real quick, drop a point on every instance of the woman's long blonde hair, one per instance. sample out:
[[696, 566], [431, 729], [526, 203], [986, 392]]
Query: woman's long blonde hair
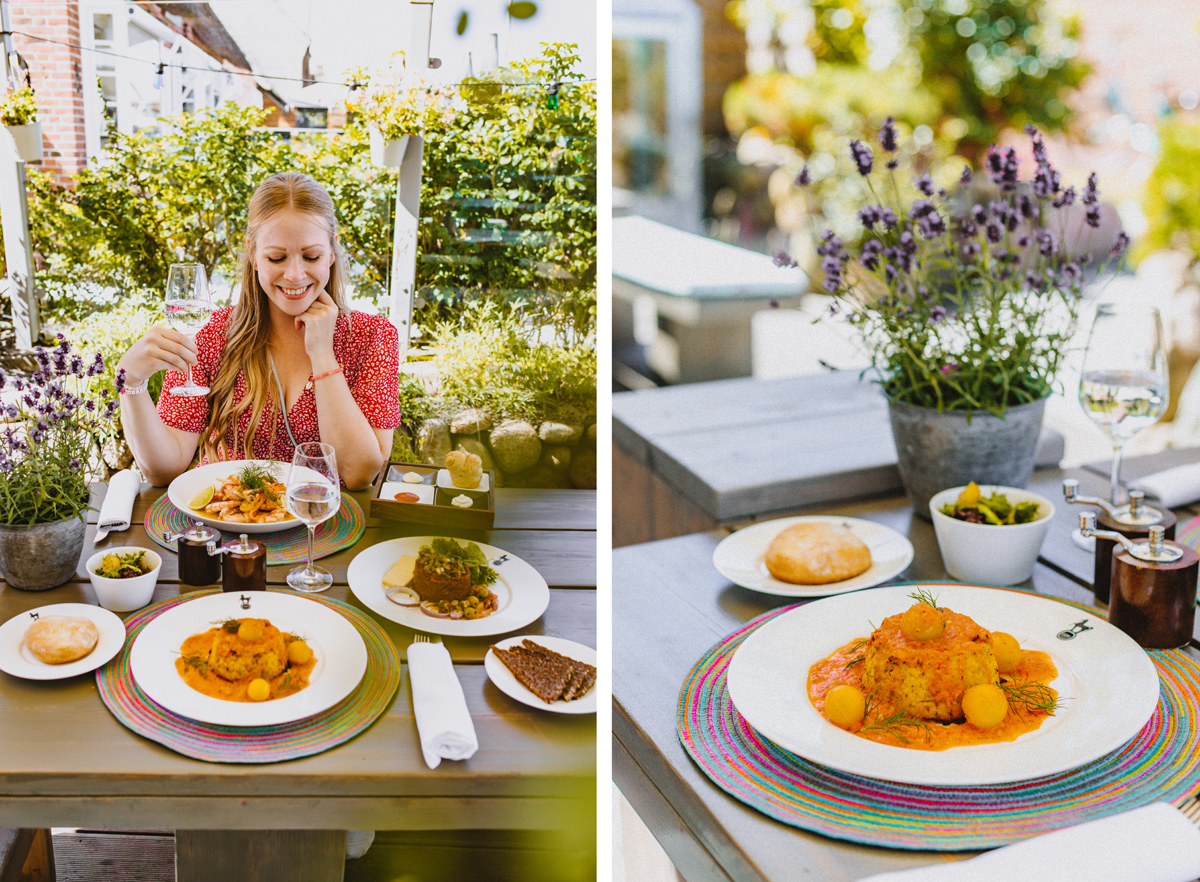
[[248, 331]]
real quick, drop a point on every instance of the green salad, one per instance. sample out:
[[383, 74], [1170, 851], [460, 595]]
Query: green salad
[[976, 508], [123, 566]]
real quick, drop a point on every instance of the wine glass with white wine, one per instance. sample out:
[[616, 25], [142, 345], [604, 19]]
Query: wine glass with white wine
[[188, 305], [1123, 387], [313, 495]]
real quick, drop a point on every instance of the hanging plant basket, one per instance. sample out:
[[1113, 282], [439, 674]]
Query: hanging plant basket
[[387, 152], [27, 141]]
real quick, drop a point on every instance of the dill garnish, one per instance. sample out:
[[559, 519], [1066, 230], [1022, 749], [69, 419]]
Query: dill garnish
[[923, 596], [255, 476], [895, 723], [198, 662], [1035, 697], [230, 625], [858, 659]]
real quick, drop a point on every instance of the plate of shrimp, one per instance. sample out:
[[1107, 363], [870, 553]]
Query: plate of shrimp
[[247, 496]]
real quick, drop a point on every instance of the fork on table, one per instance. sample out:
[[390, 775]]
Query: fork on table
[[1191, 809], [424, 638]]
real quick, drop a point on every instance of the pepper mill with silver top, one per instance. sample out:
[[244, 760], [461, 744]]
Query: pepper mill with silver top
[[245, 566], [199, 557], [1132, 521], [1153, 587]]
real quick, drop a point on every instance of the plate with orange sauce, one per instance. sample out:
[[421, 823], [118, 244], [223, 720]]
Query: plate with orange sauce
[[1107, 686]]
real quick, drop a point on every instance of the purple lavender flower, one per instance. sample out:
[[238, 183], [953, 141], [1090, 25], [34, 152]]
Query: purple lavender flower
[[1026, 206], [119, 380], [924, 183], [994, 233], [891, 164], [966, 177], [1120, 245], [803, 179], [1002, 165], [979, 214], [1072, 273], [1091, 193], [97, 365], [887, 135], [937, 314], [1045, 241], [929, 222], [781, 259], [863, 157], [870, 254], [1092, 216]]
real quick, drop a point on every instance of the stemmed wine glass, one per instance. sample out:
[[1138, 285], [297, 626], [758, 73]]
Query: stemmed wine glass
[[1123, 387], [313, 495], [188, 305]]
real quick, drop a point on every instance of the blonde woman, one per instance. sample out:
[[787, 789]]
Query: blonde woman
[[289, 340]]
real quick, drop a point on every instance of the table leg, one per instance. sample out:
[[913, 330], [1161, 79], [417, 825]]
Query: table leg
[[260, 855]]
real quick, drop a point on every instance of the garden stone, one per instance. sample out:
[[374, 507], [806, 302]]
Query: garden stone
[[471, 421], [515, 445], [557, 456], [541, 476], [559, 433], [434, 439], [583, 470], [477, 447]]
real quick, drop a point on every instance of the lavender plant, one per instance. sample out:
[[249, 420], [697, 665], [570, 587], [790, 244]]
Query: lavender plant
[[967, 309], [49, 437]]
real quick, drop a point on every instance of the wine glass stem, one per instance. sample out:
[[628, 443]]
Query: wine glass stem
[[312, 529], [188, 382], [1116, 474]]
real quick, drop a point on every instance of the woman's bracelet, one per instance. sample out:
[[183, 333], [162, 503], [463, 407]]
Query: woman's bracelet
[[135, 388], [336, 370]]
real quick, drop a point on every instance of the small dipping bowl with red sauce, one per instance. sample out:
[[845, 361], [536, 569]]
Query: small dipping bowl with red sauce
[[397, 491]]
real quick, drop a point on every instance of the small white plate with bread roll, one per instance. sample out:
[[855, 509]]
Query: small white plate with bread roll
[[812, 555], [59, 641]]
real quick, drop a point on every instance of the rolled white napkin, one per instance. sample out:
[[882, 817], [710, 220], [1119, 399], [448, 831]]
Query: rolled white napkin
[[1172, 487], [443, 723], [1154, 843], [117, 507]]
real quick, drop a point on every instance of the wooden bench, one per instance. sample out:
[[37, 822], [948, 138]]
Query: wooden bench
[[26, 855], [695, 298]]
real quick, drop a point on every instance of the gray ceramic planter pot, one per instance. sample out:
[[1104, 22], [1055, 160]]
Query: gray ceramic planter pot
[[941, 450], [42, 556]]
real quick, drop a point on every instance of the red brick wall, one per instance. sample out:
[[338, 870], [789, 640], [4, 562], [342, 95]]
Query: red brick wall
[[56, 72]]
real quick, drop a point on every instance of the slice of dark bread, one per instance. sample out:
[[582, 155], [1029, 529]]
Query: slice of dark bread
[[544, 677], [584, 678]]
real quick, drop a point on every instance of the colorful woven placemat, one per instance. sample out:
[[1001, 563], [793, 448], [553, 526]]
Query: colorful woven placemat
[[1188, 533], [287, 547], [1160, 763], [258, 744]]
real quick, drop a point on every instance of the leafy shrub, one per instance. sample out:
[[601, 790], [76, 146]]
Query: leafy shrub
[[1172, 192]]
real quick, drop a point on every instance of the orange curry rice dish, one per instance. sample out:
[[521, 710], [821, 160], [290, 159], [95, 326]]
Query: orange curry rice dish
[[930, 679], [245, 660]]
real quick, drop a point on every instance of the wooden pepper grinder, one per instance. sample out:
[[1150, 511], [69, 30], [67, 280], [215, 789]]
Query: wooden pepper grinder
[[245, 566], [1153, 587], [1132, 521], [199, 557]]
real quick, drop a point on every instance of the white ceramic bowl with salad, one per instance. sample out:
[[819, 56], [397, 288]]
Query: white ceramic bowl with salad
[[992, 553], [129, 591]]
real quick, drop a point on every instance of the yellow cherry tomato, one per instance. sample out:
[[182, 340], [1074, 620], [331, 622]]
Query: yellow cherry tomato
[[922, 622], [970, 495], [845, 706], [250, 631], [299, 652], [1007, 651], [985, 706], [258, 690]]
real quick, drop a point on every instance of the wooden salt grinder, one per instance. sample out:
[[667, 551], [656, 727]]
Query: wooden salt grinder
[[1153, 587], [1132, 521]]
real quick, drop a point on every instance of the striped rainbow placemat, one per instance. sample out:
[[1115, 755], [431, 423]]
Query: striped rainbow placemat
[[1160, 764], [259, 744], [286, 547]]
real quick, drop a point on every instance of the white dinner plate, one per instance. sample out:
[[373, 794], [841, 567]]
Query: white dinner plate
[[739, 556], [499, 674], [184, 489], [523, 593], [16, 659], [339, 648], [1107, 686]]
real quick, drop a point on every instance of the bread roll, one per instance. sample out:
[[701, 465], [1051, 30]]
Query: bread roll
[[816, 553], [57, 640], [466, 469]]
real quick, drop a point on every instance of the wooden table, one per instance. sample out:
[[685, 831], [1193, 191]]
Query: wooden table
[[708, 834], [706, 455], [66, 761]]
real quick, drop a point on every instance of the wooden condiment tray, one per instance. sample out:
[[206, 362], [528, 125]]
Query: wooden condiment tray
[[439, 512]]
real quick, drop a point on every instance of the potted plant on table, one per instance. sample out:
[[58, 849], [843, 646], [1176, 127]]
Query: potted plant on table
[[45, 447], [398, 103], [18, 114], [967, 309]]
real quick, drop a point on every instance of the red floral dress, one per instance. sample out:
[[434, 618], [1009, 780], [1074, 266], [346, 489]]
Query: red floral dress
[[367, 348]]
